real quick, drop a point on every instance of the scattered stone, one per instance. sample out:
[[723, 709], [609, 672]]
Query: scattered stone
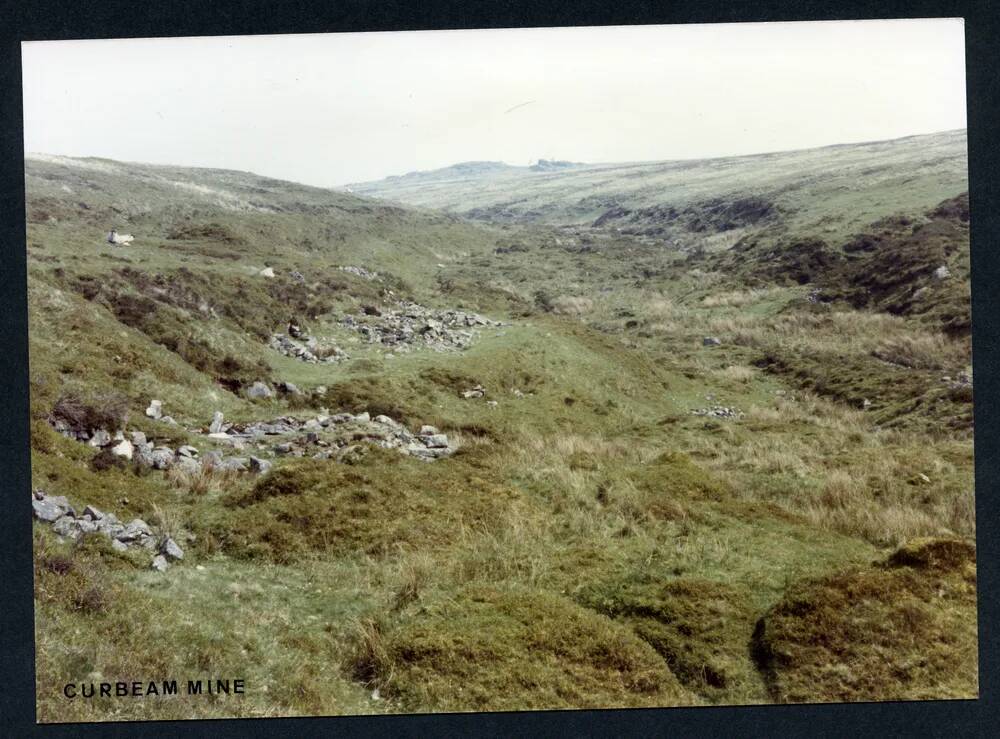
[[47, 509], [360, 272], [187, 451], [155, 409], [95, 514], [476, 392], [428, 430], [66, 526], [297, 276], [138, 439], [289, 388], [187, 464], [942, 273], [159, 563], [436, 441], [718, 411], [162, 458]]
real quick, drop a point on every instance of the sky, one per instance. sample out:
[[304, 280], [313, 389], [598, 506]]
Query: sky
[[331, 109]]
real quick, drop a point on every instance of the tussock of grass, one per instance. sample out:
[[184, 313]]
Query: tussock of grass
[[492, 649], [903, 630]]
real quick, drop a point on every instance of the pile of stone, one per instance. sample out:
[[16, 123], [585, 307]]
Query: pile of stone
[[307, 349], [334, 436], [57, 510], [411, 325], [360, 272], [718, 411]]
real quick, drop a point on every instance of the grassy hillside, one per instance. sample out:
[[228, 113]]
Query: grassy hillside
[[831, 192], [626, 513]]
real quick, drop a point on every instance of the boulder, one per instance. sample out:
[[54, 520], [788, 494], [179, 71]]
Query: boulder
[[162, 458], [95, 514], [289, 388], [363, 417], [266, 272], [234, 464], [259, 390], [435, 441], [47, 510], [260, 466], [216, 426], [138, 438], [99, 438], [123, 449], [187, 451], [119, 546], [171, 550], [428, 430], [169, 420], [159, 563], [187, 464], [134, 529], [155, 409], [66, 526]]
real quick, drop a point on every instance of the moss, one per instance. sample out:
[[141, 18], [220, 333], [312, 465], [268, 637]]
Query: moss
[[487, 649], [901, 630]]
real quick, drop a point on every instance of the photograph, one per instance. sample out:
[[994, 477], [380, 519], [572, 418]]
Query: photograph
[[500, 370]]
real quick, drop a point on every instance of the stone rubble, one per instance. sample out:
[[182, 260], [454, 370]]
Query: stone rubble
[[300, 345], [411, 325], [360, 272], [57, 511], [718, 411]]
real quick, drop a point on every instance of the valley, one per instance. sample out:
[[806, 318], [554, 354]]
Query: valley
[[501, 438]]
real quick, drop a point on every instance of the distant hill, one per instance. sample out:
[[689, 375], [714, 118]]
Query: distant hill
[[832, 191]]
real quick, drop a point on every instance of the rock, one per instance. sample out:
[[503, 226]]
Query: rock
[[159, 563], [476, 392], [363, 417], [428, 430], [155, 409], [211, 459], [119, 546], [66, 526], [47, 510], [187, 451], [266, 272], [95, 515], [138, 438], [284, 448], [235, 464], [134, 529], [100, 438], [313, 424], [187, 464], [492, 403], [169, 420], [710, 341], [86, 526], [171, 550], [320, 390], [162, 458], [123, 449], [216, 426], [942, 273], [260, 466], [297, 276], [289, 388], [259, 390], [433, 441]]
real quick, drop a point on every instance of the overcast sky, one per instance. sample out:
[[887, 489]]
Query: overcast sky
[[328, 109]]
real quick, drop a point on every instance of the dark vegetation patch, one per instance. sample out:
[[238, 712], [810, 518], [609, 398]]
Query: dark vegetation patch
[[711, 216], [384, 502], [511, 650], [107, 411], [205, 232], [701, 628], [898, 397], [901, 630]]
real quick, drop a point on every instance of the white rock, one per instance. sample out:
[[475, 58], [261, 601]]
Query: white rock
[[155, 409], [123, 448]]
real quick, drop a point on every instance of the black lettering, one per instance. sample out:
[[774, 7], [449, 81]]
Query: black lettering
[[170, 687], [238, 687], [83, 690], [222, 686], [194, 688], [151, 689], [121, 689], [69, 690], [136, 688], [105, 690]]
